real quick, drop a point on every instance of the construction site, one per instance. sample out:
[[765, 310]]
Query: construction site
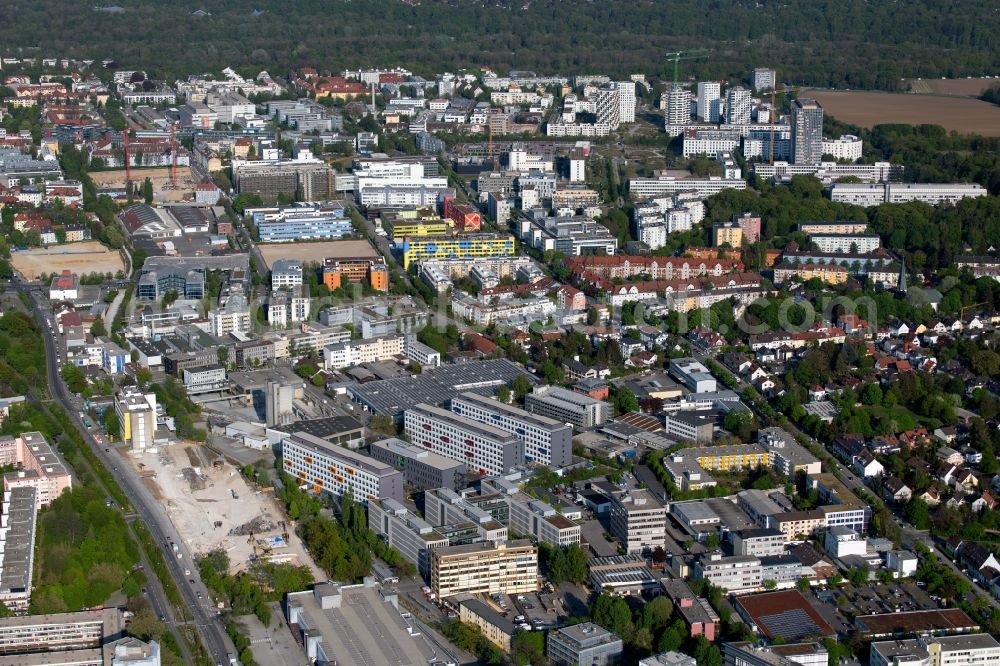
[[213, 507], [173, 181]]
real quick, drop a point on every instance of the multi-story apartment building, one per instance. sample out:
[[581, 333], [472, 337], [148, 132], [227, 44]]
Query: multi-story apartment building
[[412, 536], [638, 521], [834, 227], [567, 406], [876, 194], [546, 440], [488, 567], [709, 142], [336, 470], [807, 131], [421, 468], [762, 79], [65, 633], [852, 243], [484, 448], [288, 305], [17, 547], [585, 643], [678, 106], [847, 147], [419, 222], [727, 233], [424, 248], [709, 95], [38, 466], [339, 271], [758, 542], [535, 518], [354, 352], [662, 185], [233, 317], [798, 525], [137, 416], [738, 106], [841, 506], [828, 273]]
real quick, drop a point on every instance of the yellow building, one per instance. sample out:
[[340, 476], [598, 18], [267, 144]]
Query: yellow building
[[468, 246], [421, 222], [488, 567], [495, 627], [828, 273], [727, 233], [731, 458]]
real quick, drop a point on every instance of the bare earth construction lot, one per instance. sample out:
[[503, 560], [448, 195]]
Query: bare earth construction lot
[[80, 258], [315, 252], [197, 489], [867, 109], [159, 176], [961, 87]]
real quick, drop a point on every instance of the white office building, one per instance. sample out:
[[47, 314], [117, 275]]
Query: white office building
[[846, 243], [483, 448], [546, 441], [327, 467], [567, 406], [678, 111], [638, 521], [876, 194], [763, 78], [959, 650], [626, 101]]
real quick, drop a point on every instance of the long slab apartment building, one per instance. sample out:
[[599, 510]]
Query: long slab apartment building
[[326, 467]]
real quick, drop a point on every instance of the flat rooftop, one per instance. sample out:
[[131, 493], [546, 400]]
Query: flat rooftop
[[363, 627], [324, 427], [487, 402], [786, 614], [471, 425], [323, 447], [407, 450], [482, 546], [934, 620], [392, 396]]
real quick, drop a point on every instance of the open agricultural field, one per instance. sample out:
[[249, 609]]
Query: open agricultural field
[[867, 109], [160, 177], [315, 252], [962, 87], [80, 258]]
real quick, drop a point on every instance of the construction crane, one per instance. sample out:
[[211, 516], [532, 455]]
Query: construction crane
[[128, 161], [173, 156], [677, 56]]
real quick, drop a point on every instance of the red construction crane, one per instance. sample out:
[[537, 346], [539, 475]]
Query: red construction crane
[[173, 157], [128, 161]]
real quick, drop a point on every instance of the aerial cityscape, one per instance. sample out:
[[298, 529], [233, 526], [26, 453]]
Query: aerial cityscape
[[481, 340]]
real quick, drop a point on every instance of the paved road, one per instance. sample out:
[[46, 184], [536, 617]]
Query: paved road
[[147, 508]]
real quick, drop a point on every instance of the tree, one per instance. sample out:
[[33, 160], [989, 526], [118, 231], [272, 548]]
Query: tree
[[917, 513], [625, 401], [871, 394], [503, 394], [613, 614], [112, 424], [97, 329], [147, 191], [521, 386]]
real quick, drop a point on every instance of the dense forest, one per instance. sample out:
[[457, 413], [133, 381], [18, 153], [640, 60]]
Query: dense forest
[[839, 43]]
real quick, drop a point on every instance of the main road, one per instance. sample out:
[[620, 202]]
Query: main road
[[151, 512]]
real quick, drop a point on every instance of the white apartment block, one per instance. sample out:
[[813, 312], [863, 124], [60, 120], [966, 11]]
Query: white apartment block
[[286, 273], [608, 107], [330, 468], [521, 159], [843, 243], [847, 147], [654, 235], [678, 107], [355, 352], [678, 219], [638, 521], [709, 94], [546, 441], [710, 142], [483, 448], [880, 193], [493, 568], [738, 106], [443, 506], [626, 101], [647, 188]]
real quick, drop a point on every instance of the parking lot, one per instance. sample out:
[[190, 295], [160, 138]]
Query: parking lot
[[876, 598]]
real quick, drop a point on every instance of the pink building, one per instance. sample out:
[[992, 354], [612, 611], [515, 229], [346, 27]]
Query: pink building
[[572, 298], [750, 224], [37, 465], [696, 611]]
